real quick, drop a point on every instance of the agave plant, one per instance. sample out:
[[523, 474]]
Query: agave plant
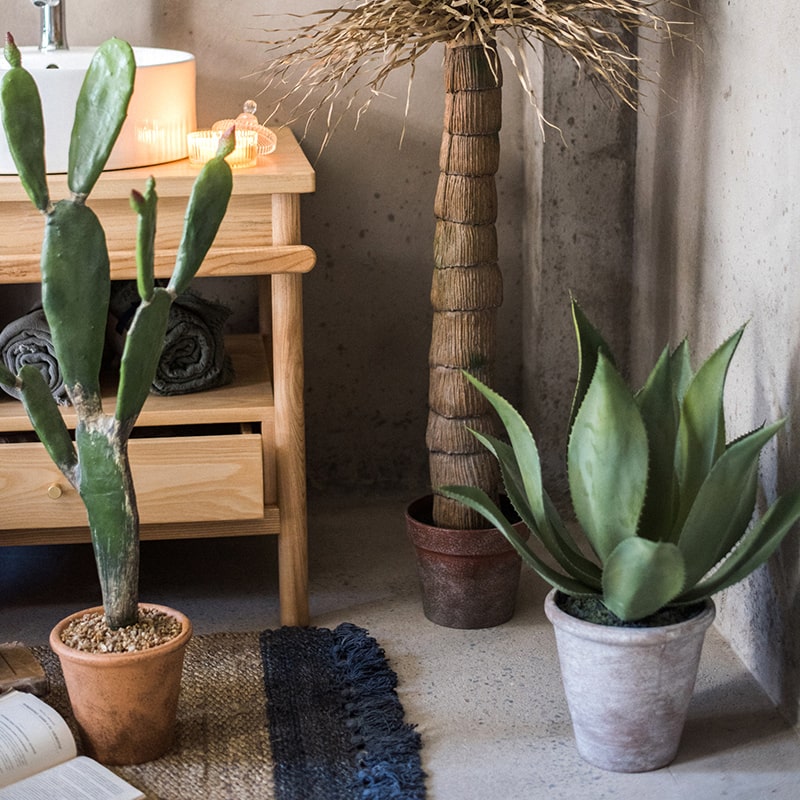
[[662, 499]]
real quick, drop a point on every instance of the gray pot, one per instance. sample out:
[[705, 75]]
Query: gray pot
[[628, 689]]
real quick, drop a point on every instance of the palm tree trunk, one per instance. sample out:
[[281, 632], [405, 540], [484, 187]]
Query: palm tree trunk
[[467, 283]]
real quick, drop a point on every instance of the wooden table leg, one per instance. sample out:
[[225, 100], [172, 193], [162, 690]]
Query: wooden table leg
[[288, 380]]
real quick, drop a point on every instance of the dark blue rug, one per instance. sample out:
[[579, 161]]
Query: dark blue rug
[[337, 728]]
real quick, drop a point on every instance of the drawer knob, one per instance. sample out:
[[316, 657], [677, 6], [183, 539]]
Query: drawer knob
[[54, 491]]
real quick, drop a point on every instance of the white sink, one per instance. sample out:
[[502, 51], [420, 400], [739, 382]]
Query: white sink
[[161, 112]]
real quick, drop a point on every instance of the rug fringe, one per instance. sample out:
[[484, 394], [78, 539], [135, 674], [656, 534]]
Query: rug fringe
[[336, 723], [387, 748]]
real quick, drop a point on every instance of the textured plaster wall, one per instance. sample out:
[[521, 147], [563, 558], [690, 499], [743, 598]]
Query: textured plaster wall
[[370, 221], [718, 244], [580, 196]]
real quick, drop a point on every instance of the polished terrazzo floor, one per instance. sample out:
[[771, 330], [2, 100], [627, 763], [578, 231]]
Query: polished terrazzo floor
[[488, 703]]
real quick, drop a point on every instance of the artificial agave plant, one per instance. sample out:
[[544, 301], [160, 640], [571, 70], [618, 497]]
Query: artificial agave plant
[[76, 287], [663, 500], [355, 47]]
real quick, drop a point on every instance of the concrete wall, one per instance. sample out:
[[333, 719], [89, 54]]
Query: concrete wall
[[564, 203], [371, 222], [580, 191], [718, 244]]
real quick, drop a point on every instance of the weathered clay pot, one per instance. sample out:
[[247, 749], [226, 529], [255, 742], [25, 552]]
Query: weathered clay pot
[[469, 579], [628, 689], [125, 704]]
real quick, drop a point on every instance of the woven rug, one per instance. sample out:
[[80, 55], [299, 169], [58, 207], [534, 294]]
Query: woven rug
[[289, 714]]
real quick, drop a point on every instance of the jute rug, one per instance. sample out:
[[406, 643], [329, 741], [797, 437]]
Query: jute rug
[[289, 714]]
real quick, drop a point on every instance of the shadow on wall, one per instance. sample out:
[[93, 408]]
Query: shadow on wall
[[784, 568], [784, 571], [680, 287], [691, 194]]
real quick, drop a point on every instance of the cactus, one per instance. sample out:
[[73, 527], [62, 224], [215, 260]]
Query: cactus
[[75, 294]]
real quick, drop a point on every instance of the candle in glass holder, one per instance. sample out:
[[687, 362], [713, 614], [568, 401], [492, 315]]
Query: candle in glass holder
[[203, 147]]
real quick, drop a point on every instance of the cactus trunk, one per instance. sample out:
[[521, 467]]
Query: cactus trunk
[[106, 488]]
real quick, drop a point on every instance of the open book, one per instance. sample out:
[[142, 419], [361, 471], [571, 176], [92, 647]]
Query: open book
[[39, 761]]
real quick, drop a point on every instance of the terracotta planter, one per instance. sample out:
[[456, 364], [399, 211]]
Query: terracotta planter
[[469, 579], [628, 689], [125, 704]]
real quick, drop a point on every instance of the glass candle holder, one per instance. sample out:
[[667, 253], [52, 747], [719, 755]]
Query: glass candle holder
[[203, 147]]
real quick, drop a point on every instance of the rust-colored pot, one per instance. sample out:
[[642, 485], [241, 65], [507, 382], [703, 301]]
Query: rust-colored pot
[[125, 704], [469, 579]]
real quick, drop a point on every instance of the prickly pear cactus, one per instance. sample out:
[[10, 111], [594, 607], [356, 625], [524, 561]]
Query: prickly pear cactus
[[75, 294]]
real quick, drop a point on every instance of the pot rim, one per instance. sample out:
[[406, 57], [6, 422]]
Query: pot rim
[[627, 636], [427, 536], [64, 650]]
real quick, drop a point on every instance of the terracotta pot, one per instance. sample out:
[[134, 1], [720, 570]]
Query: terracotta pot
[[469, 579], [125, 704], [628, 689]]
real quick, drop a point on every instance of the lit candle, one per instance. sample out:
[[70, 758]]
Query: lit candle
[[203, 147]]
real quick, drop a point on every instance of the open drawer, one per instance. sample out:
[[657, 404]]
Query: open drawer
[[177, 479]]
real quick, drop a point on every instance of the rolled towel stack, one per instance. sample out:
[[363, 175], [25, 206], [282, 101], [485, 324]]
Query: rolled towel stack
[[27, 340], [194, 357]]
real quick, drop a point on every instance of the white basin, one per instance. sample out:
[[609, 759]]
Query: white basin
[[161, 112]]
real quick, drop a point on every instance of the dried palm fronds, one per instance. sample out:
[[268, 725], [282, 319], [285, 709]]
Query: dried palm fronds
[[353, 48]]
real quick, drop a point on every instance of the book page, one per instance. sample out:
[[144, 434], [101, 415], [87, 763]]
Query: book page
[[78, 779], [33, 736]]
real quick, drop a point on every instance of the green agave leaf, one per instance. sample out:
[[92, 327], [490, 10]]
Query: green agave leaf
[[525, 452], [100, 112], [549, 528], [479, 501], [580, 566], [522, 475], [701, 431], [642, 576], [658, 405], [607, 461], [680, 366], [590, 343], [758, 544], [724, 505]]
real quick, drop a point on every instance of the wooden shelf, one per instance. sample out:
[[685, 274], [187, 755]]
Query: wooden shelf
[[248, 399], [286, 171], [269, 525], [244, 245], [255, 472]]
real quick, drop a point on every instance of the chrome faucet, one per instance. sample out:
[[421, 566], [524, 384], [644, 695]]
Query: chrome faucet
[[53, 34]]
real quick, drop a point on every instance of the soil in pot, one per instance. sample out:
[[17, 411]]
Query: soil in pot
[[125, 703], [591, 609], [469, 578]]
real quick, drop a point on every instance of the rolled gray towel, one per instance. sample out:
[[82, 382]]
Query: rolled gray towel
[[194, 357], [27, 340]]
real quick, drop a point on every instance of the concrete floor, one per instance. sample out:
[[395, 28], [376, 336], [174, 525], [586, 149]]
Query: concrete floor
[[489, 703]]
